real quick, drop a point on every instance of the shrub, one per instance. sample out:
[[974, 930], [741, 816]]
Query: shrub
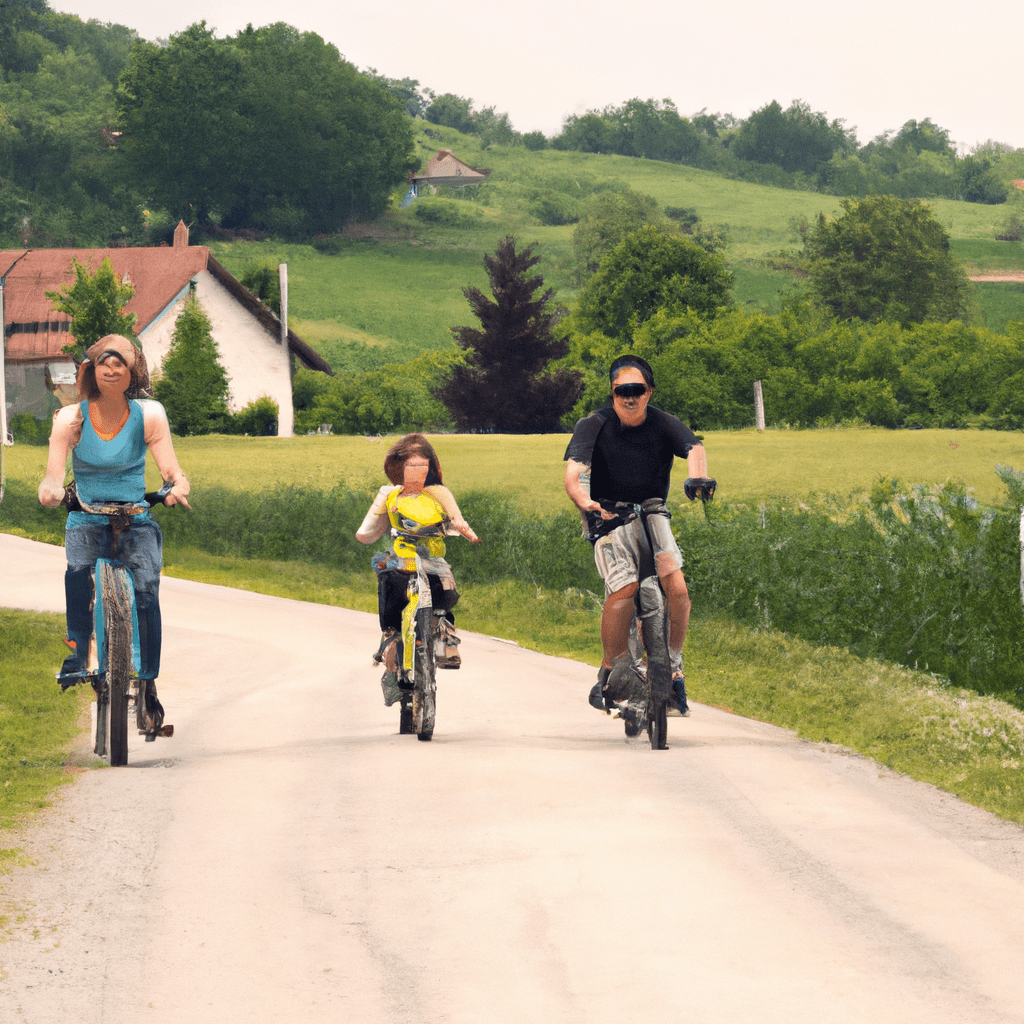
[[27, 429], [257, 419], [444, 213]]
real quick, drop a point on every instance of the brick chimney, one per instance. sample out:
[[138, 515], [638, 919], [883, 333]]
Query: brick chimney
[[181, 236]]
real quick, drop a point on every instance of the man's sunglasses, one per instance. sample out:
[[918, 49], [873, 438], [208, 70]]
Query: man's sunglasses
[[630, 390]]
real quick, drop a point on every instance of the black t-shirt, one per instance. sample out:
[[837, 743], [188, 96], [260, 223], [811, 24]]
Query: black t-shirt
[[630, 463]]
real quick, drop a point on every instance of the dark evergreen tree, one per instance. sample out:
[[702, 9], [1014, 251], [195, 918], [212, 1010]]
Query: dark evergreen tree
[[502, 386]]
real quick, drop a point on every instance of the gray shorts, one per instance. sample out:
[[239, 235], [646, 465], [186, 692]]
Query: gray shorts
[[617, 555]]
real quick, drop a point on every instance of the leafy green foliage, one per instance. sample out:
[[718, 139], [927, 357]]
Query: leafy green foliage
[[264, 281], [648, 271], [393, 399], [922, 577], [886, 259], [282, 133], [815, 371], [502, 385], [796, 139], [607, 218], [257, 419], [639, 128], [94, 303], [192, 384], [445, 212]]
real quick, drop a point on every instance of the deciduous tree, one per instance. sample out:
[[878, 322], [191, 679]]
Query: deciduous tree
[[647, 271], [95, 303], [886, 259], [271, 129]]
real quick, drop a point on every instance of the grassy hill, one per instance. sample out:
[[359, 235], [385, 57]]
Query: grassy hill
[[392, 289]]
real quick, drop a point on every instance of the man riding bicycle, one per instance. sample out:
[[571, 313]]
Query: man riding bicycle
[[624, 453]]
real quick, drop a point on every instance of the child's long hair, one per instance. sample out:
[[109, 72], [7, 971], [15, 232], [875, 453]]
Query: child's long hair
[[403, 449]]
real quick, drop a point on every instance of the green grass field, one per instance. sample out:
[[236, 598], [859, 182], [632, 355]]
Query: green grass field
[[395, 288], [749, 465]]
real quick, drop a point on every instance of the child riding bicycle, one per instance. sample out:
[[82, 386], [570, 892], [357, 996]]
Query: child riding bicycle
[[415, 499]]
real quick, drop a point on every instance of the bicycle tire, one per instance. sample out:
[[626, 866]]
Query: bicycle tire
[[406, 724], [424, 694], [654, 627], [118, 595]]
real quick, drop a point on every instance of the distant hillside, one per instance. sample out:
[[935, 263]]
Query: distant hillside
[[384, 292]]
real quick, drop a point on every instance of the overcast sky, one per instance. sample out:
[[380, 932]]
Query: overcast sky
[[875, 64]]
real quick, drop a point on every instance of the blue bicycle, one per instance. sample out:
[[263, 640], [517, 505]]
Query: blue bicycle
[[113, 658]]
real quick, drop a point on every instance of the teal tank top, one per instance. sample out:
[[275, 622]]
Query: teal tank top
[[113, 470]]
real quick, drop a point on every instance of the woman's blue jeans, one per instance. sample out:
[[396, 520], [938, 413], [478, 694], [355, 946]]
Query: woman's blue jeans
[[141, 550]]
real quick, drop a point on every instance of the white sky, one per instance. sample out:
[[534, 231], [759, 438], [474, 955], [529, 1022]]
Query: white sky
[[873, 64]]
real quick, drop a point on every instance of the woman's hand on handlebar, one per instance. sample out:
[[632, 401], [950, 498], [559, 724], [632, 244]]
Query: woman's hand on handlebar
[[170, 494]]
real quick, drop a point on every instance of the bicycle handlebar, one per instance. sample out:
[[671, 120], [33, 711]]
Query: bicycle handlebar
[[74, 503]]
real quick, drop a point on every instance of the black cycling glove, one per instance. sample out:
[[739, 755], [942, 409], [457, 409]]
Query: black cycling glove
[[700, 485]]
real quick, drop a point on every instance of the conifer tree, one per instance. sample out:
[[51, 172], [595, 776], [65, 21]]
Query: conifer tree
[[192, 384], [502, 387]]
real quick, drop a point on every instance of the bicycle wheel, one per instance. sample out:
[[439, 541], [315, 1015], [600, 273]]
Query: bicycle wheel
[[654, 627], [425, 679], [406, 724], [115, 597]]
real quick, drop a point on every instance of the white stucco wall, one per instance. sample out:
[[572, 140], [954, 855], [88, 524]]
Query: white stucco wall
[[256, 362]]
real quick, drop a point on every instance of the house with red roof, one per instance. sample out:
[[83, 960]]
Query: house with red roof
[[258, 361]]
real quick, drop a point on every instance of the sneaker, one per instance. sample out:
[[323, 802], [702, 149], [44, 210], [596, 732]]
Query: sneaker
[[450, 658], [392, 691], [679, 690], [386, 638], [596, 697]]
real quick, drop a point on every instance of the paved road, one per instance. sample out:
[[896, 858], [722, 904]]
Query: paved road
[[288, 857]]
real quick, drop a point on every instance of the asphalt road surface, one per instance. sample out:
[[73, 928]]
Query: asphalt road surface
[[287, 856]]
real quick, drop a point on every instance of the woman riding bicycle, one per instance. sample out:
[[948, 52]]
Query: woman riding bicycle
[[108, 434], [415, 498]]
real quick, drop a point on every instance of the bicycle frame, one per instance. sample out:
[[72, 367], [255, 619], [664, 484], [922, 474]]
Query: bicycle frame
[[114, 657], [419, 637], [651, 620]]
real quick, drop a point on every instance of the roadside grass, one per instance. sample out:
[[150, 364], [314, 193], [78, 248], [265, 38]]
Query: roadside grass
[[749, 465], [37, 721]]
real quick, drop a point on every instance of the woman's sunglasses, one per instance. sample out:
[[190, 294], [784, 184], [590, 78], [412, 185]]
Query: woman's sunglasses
[[630, 390]]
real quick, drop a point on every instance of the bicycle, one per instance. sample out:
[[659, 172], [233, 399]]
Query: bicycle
[[113, 659], [421, 640], [648, 685]]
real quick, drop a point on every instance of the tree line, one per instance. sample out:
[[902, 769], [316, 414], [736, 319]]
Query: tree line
[[881, 335], [108, 139]]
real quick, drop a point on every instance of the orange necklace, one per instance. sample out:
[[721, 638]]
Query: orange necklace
[[102, 434]]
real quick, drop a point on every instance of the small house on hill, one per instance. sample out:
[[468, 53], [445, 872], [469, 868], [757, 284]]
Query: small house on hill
[[247, 333], [447, 169]]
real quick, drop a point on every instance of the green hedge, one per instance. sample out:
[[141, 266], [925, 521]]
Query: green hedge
[[920, 577]]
